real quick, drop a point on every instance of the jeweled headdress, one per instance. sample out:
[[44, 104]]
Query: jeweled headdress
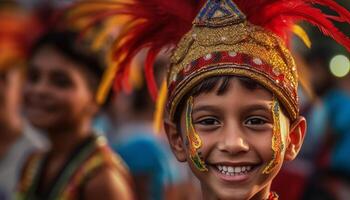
[[244, 38]]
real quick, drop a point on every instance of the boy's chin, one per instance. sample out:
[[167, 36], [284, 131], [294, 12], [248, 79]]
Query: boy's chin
[[239, 193], [217, 187], [47, 124], [229, 193]]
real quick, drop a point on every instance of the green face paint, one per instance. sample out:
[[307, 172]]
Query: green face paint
[[194, 141]]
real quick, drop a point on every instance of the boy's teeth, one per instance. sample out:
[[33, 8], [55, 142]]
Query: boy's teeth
[[238, 169], [230, 170]]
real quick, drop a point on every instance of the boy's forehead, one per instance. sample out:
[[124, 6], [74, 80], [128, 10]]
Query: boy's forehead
[[238, 89], [235, 95]]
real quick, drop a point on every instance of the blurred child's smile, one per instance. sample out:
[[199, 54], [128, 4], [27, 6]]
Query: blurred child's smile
[[39, 108]]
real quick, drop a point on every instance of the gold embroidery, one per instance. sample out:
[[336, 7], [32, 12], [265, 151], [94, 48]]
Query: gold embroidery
[[242, 38], [217, 70], [194, 141], [277, 143]]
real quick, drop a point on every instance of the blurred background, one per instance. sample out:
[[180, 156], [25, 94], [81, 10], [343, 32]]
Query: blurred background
[[321, 171]]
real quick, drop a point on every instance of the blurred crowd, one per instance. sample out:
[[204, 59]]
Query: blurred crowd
[[49, 118]]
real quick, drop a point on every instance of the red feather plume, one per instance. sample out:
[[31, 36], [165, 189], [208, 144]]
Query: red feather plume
[[153, 24], [158, 24], [278, 16]]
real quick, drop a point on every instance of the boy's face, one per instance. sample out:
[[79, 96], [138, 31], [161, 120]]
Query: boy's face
[[56, 93], [236, 131]]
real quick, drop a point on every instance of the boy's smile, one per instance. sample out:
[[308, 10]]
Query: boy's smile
[[236, 130], [231, 172]]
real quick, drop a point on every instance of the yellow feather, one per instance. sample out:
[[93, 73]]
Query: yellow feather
[[82, 16], [109, 31], [107, 80], [135, 77], [301, 33], [160, 106]]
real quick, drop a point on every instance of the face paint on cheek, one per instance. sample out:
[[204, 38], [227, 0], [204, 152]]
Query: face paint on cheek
[[277, 140], [193, 139]]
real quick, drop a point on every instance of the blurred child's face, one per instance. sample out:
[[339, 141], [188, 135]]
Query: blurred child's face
[[236, 130], [56, 92]]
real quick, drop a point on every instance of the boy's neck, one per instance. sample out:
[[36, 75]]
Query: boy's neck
[[64, 141]]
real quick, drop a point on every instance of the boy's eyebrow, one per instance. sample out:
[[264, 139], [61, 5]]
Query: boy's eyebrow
[[255, 107], [246, 108], [205, 108]]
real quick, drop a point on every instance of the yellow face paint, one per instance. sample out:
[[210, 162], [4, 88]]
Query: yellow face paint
[[278, 138], [194, 141]]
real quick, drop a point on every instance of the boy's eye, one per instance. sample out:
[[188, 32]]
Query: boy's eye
[[208, 122], [258, 123], [255, 121], [61, 80], [33, 76]]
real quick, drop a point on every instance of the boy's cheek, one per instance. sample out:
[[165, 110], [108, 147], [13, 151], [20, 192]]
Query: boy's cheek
[[200, 155]]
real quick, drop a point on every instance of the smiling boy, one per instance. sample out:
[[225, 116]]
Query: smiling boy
[[232, 103], [235, 136]]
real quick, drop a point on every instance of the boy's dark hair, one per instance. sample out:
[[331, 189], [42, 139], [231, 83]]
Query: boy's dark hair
[[69, 45], [65, 42], [208, 85]]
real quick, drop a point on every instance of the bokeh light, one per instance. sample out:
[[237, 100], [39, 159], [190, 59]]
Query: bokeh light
[[340, 66]]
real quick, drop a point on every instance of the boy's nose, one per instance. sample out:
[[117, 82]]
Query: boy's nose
[[233, 141], [39, 88]]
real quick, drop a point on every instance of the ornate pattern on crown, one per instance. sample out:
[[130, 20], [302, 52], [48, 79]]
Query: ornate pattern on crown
[[221, 28]]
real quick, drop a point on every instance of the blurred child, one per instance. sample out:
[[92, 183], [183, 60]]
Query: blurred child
[[16, 142], [232, 106], [59, 96]]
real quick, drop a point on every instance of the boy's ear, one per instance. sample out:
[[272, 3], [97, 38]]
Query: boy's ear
[[175, 140], [296, 138]]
